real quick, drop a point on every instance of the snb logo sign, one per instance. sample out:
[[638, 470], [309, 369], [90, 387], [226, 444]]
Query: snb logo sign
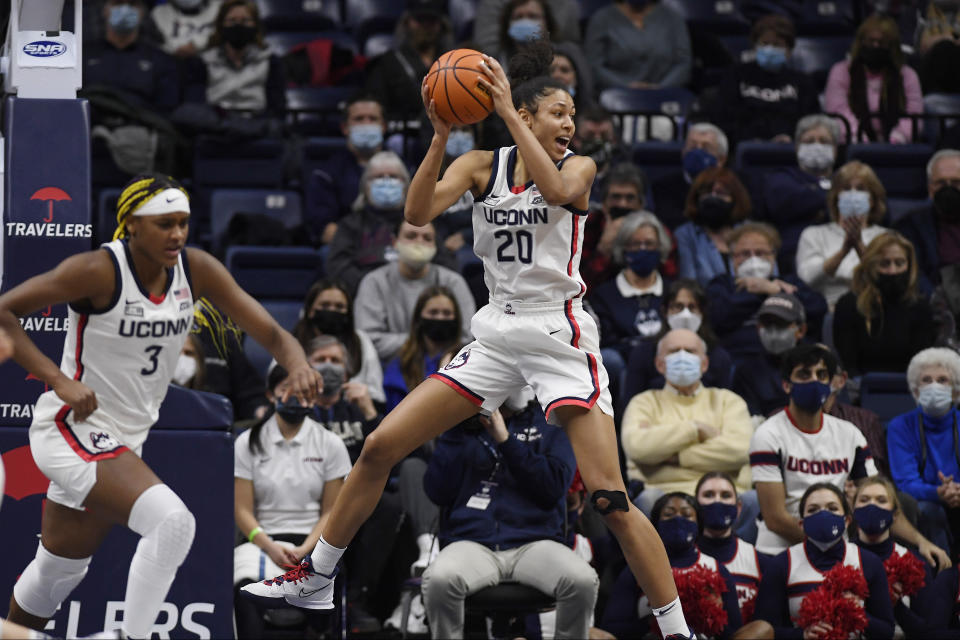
[[44, 49]]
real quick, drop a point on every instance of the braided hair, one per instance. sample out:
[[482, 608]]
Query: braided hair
[[136, 193]]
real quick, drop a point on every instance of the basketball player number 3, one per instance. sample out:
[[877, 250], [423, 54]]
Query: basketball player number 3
[[154, 351], [524, 246]]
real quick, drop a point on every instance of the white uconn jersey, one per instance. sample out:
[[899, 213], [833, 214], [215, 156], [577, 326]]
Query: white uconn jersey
[[530, 250], [744, 567], [803, 577], [127, 353]]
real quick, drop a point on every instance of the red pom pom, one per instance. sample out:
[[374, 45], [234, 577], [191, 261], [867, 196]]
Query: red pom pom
[[831, 603], [908, 571], [699, 589]]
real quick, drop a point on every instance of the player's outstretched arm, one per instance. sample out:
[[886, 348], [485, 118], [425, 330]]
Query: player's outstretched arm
[[212, 280], [86, 278]]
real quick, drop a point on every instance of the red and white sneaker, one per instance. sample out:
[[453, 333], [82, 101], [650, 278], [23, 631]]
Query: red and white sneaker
[[300, 587]]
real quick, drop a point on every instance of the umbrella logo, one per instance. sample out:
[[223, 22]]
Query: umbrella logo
[[49, 195], [23, 477]]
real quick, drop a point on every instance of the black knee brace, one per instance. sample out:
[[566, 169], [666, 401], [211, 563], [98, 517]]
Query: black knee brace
[[616, 501]]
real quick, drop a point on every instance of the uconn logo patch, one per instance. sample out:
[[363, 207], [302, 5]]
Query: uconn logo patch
[[103, 441], [459, 361]]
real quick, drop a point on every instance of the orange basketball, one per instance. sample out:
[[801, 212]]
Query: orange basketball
[[452, 83]]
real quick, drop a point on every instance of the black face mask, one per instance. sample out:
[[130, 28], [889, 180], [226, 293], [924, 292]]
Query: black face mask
[[619, 212], [332, 323], [599, 150], [239, 35], [875, 57], [947, 202], [714, 212], [291, 410], [892, 287], [442, 331]]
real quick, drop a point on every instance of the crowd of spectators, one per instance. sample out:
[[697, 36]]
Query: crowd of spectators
[[742, 315]]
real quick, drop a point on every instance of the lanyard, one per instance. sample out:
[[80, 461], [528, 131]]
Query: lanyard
[[497, 456], [923, 441]]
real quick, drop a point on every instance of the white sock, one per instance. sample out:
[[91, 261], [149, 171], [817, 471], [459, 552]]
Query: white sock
[[325, 557], [671, 620], [147, 586]]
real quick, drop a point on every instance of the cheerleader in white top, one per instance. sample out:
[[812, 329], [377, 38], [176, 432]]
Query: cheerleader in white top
[[530, 205], [794, 573], [130, 310], [716, 495]]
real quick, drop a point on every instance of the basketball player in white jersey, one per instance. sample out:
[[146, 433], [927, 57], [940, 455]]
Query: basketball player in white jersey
[[130, 310], [530, 204]]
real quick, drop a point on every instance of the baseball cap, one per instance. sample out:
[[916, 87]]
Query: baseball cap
[[784, 306], [433, 8]]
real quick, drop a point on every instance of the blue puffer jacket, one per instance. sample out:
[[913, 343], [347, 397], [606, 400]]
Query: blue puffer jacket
[[526, 478]]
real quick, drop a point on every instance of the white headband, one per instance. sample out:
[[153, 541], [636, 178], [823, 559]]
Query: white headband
[[167, 201]]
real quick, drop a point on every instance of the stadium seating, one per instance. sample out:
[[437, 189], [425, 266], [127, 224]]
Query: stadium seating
[[815, 55], [280, 42], [367, 17], [299, 15], [827, 17], [315, 111], [936, 104], [886, 394], [658, 159], [462, 15], [674, 103], [286, 313], [248, 163], [720, 17], [275, 273], [900, 167], [284, 206]]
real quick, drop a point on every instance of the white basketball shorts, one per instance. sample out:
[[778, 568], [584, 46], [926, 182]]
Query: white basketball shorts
[[67, 451], [554, 347]]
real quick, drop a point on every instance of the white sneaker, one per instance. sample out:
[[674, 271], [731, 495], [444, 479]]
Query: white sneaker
[[300, 587]]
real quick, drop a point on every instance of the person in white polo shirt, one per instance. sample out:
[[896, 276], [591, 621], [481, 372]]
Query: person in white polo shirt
[[802, 446], [288, 470]]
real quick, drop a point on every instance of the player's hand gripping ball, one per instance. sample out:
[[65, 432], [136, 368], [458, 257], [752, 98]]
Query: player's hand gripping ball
[[452, 84]]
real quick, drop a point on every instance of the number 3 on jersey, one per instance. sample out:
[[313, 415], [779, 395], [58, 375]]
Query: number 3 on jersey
[[154, 351], [524, 246]]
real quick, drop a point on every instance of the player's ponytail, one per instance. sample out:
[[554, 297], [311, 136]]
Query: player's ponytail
[[529, 70], [136, 193]]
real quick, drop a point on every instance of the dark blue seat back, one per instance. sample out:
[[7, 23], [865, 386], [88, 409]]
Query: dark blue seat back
[[299, 15], [316, 111], [814, 55], [886, 394], [658, 159], [720, 17], [275, 273], [286, 313], [284, 206], [250, 163], [902, 168], [366, 17], [827, 17]]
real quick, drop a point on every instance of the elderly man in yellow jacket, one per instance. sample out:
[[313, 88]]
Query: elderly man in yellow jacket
[[674, 435]]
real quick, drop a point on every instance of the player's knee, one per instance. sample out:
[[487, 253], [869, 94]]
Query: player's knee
[[46, 581], [174, 537], [380, 451], [607, 503], [165, 525]]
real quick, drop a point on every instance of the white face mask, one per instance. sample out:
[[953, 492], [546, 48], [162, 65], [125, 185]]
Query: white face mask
[[815, 156], [685, 319], [414, 254], [683, 368], [185, 370], [755, 267], [935, 399], [852, 203]]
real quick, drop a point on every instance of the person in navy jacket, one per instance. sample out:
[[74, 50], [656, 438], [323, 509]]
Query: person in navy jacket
[[501, 487], [825, 515]]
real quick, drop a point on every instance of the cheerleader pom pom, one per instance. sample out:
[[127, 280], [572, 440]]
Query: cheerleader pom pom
[[837, 602], [700, 592], [906, 570]]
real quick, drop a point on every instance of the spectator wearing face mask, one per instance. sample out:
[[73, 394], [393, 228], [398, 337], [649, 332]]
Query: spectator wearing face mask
[[780, 325], [571, 68], [736, 297], [521, 21], [487, 30], [882, 322], [190, 371], [793, 198], [387, 295], [696, 428], [435, 328], [328, 310], [638, 44], [827, 253], [705, 146], [762, 99], [873, 88], [934, 228], [333, 187], [923, 444], [717, 201], [937, 41], [596, 135], [684, 307], [288, 472], [186, 25]]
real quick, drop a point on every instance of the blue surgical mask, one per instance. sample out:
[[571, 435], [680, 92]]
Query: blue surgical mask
[[366, 137], [678, 534], [683, 368], [524, 30], [771, 58], [291, 410], [643, 261], [853, 203], [386, 193], [124, 18], [824, 529], [935, 399], [718, 515], [809, 396], [873, 519], [459, 142], [696, 160]]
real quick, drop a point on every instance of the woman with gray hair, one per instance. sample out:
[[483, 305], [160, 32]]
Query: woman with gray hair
[[629, 305], [365, 236], [924, 444], [793, 198]]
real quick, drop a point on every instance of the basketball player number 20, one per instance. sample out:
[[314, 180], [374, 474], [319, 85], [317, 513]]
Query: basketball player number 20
[[154, 351], [524, 246]]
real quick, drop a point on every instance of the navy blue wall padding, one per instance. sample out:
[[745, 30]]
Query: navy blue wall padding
[[187, 409], [253, 163], [886, 394], [46, 218], [275, 273], [198, 466], [717, 17], [902, 168], [286, 313], [297, 15], [283, 206]]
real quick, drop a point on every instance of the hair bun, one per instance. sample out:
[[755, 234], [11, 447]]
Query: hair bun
[[532, 60]]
